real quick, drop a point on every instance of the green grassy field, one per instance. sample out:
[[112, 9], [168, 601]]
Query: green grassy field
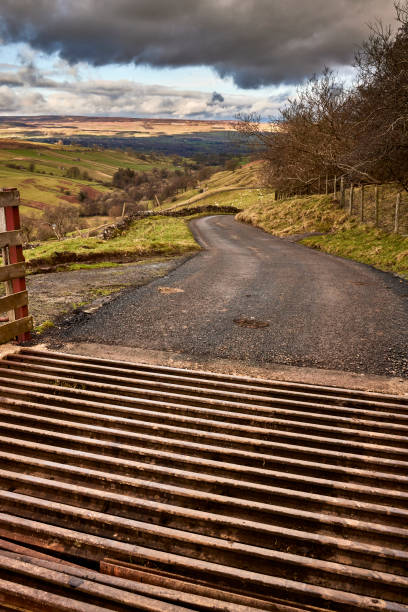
[[226, 188], [39, 171], [240, 198], [45, 184], [245, 176]]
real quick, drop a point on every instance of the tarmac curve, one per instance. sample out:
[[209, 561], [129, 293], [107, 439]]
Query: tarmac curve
[[259, 299]]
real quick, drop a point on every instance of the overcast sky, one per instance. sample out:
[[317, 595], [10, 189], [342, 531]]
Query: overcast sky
[[172, 58]]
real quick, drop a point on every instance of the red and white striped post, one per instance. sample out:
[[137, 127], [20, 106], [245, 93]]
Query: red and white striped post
[[10, 221]]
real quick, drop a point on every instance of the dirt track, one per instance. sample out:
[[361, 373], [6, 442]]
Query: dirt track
[[58, 293]]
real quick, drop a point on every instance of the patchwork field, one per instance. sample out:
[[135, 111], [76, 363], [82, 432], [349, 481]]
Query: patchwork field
[[43, 173]]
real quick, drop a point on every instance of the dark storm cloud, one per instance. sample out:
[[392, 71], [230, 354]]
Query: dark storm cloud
[[216, 98], [257, 42], [26, 76]]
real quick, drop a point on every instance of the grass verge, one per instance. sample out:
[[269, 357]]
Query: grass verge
[[87, 266], [145, 238], [343, 236], [295, 215], [388, 252]]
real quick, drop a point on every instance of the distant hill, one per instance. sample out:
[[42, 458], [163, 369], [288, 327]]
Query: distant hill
[[187, 138], [51, 126]]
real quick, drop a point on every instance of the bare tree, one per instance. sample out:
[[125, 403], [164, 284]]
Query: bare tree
[[360, 133], [62, 219], [380, 102], [310, 140], [29, 227]]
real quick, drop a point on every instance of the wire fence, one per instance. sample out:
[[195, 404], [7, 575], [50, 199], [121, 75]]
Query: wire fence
[[383, 206]]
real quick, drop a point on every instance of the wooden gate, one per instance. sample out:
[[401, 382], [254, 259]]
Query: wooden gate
[[14, 301]]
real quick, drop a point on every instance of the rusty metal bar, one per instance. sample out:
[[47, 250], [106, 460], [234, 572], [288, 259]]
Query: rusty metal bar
[[209, 378], [141, 380], [74, 590], [388, 450], [367, 545], [268, 493], [99, 584], [95, 547], [260, 416], [292, 454], [164, 579]]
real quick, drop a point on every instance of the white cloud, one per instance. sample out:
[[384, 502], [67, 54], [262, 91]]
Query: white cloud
[[29, 90], [21, 102]]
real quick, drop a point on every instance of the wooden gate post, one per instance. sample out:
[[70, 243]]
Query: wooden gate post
[[13, 271]]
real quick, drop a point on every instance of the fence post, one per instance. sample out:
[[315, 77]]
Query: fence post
[[335, 187], [13, 254], [327, 185], [397, 209], [362, 204], [342, 198], [377, 205], [351, 199]]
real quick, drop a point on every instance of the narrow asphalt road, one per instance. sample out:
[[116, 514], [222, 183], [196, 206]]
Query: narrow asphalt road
[[250, 296]]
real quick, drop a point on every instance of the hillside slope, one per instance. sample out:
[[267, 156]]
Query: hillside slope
[[239, 188]]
